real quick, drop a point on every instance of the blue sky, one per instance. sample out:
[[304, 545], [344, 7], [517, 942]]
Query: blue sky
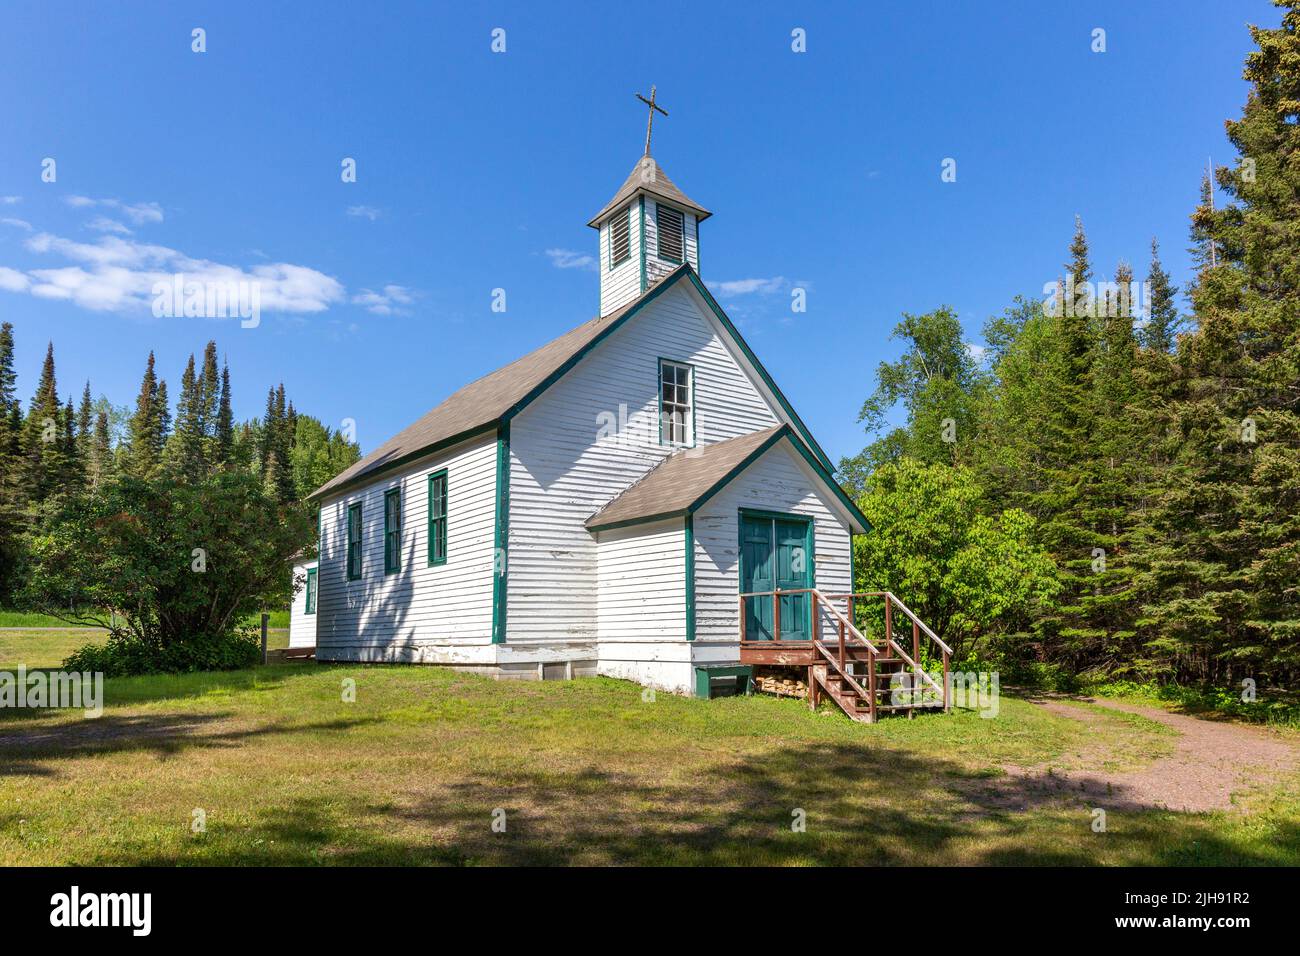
[[478, 170]]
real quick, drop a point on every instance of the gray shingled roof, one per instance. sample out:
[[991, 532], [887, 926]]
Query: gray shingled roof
[[480, 404], [674, 485], [648, 175]]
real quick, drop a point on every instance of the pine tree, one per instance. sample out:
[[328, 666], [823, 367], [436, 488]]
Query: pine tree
[[1225, 599], [146, 432], [12, 498], [44, 465], [186, 451], [1162, 319], [224, 431], [73, 470], [101, 452]]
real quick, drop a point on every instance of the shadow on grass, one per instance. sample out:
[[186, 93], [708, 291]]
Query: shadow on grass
[[864, 807], [165, 735]]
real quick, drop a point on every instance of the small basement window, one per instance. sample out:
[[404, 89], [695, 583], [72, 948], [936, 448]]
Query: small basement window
[[620, 238], [676, 403], [672, 233]]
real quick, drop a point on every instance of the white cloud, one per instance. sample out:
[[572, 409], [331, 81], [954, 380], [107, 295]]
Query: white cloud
[[138, 213], [113, 274], [568, 259], [976, 352], [11, 280], [10, 200], [389, 301], [104, 224], [17, 223], [748, 286], [364, 212]]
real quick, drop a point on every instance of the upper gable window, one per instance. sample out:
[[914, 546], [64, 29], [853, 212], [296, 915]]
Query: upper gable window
[[676, 403], [620, 238], [671, 227]]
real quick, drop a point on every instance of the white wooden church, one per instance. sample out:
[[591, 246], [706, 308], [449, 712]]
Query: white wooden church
[[600, 505]]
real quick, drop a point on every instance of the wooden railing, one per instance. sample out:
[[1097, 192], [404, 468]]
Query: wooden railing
[[919, 627], [851, 636]]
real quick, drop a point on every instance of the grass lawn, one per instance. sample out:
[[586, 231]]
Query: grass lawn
[[36, 647], [584, 771]]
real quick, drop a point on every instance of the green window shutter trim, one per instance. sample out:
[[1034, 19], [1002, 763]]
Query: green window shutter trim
[[439, 496], [501, 536], [354, 541], [392, 531], [311, 592]]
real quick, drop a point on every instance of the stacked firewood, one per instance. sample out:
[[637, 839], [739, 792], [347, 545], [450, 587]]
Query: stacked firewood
[[781, 686]]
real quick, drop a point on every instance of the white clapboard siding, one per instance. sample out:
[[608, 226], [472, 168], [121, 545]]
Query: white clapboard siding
[[561, 474], [779, 481], [302, 626], [641, 574], [620, 286], [418, 605], [657, 268]]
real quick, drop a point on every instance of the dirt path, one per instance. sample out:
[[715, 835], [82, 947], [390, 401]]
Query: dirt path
[[1210, 762]]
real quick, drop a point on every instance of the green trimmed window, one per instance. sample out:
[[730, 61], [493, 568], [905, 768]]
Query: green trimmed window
[[620, 238], [676, 403], [354, 541], [311, 590], [438, 517], [392, 530], [670, 225]]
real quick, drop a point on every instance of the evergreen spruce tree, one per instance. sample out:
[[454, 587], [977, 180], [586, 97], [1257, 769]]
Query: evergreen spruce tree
[[186, 448], [224, 428], [145, 430], [1162, 319], [1224, 585], [44, 465]]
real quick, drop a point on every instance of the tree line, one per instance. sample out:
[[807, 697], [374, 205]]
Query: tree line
[[1154, 454], [56, 450]]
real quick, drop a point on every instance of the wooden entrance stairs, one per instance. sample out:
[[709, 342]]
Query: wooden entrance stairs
[[867, 679]]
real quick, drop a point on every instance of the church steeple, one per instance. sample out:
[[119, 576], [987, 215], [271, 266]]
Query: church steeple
[[647, 230]]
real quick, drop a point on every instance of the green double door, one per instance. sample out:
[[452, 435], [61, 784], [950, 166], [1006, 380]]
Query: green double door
[[776, 554]]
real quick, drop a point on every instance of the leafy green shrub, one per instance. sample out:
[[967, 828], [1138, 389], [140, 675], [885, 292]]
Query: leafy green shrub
[[182, 562], [126, 655]]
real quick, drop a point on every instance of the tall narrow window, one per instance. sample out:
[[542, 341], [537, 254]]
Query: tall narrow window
[[392, 530], [620, 238], [311, 590], [354, 541], [676, 403], [438, 517], [671, 225]]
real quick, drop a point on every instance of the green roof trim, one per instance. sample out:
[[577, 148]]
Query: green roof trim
[[762, 372], [784, 432]]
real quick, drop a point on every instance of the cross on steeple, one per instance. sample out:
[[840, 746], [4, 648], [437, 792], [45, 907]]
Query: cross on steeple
[[649, 123]]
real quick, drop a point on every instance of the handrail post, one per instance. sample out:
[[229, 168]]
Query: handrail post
[[889, 623], [776, 616], [841, 645], [947, 686], [871, 682], [916, 660], [812, 596]]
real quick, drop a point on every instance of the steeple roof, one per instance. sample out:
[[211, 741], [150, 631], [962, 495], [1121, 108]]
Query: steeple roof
[[648, 176]]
